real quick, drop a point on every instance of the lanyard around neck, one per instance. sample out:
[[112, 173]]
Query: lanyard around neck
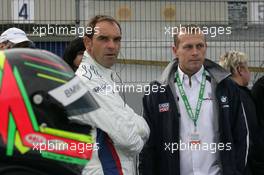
[[193, 117]]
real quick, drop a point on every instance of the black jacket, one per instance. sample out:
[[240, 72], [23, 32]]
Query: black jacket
[[155, 159], [258, 94], [257, 162], [254, 130]]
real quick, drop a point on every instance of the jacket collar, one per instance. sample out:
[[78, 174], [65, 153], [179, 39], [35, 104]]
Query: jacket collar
[[216, 71], [198, 76]]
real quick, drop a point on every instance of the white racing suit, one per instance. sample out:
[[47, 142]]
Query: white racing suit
[[119, 132]]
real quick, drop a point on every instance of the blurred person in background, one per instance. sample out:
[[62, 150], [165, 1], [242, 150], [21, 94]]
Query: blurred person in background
[[236, 63], [15, 38], [74, 52], [258, 95]]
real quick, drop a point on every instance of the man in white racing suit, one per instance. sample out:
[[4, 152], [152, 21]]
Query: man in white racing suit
[[119, 132]]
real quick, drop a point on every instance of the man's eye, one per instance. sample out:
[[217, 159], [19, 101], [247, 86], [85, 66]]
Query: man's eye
[[102, 38], [199, 46], [188, 47], [117, 39]]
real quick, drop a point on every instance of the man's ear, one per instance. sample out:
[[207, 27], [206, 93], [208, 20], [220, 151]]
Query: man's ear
[[87, 43], [239, 70], [174, 50]]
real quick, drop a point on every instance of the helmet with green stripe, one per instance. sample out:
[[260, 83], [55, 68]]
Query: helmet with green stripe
[[38, 94]]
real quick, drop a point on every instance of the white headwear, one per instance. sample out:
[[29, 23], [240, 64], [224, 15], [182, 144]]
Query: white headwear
[[14, 35]]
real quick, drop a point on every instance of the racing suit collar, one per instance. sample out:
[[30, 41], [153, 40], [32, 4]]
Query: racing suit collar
[[106, 71]]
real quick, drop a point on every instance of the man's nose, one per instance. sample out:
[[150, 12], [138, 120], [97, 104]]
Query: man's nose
[[195, 51], [111, 44]]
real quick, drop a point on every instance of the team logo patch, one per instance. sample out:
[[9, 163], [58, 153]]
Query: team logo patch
[[223, 99], [164, 107]]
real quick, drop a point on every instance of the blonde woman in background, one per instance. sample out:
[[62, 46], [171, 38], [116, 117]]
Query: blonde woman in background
[[237, 64]]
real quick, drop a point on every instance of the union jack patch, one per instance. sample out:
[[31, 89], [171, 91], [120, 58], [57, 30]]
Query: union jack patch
[[164, 107]]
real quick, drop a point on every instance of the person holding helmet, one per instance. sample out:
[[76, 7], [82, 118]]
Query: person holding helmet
[[39, 92]]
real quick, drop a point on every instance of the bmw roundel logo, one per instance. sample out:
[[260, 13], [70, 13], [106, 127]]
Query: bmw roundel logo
[[223, 99]]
